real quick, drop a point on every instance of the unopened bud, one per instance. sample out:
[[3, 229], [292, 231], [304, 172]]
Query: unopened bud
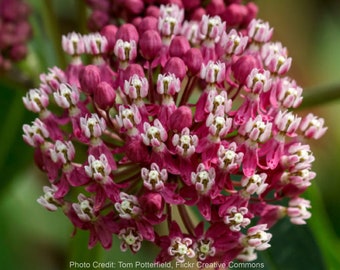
[[242, 68], [150, 44], [175, 65], [109, 31], [104, 95], [193, 59], [179, 46], [181, 118], [89, 78], [127, 32], [147, 23]]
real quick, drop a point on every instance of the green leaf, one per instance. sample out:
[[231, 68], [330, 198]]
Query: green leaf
[[293, 247]]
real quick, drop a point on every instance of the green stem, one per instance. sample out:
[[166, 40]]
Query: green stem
[[320, 95], [52, 26]]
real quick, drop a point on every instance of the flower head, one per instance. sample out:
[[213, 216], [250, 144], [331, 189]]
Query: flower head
[[174, 111]]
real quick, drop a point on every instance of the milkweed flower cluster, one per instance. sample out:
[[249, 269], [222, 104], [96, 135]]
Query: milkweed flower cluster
[[188, 115], [15, 31]]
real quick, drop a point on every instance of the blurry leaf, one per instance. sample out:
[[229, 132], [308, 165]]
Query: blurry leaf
[[293, 247], [32, 237], [322, 229], [14, 153]]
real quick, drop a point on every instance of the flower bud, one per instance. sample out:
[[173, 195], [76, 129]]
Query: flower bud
[[193, 59], [234, 14], [147, 23], [104, 95], [150, 44], [175, 65], [127, 32], [18, 52], [179, 46], [181, 118], [198, 14], [133, 69], [215, 7], [190, 4], [97, 20], [152, 202], [135, 21], [242, 68], [109, 31], [89, 78], [153, 11], [134, 6], [252, 11]]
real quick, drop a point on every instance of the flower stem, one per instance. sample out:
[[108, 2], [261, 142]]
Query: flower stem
[[188, 90], [320, 95], [169, 215], [186, 219]]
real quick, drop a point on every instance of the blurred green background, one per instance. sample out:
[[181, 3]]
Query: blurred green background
[[33, 238]]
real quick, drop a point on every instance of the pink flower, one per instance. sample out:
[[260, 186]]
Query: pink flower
[[66, 96], [82, 216], [229, 159], [36, 134], [92, 126], [95, 43], [125, 51], [211, 29], [276, 59], [313, 127], [185, 144], [169, 22], [62, 152], [155, 135], [212, 72], [257, 237], [298, 210], [233, 43], [48, 200], [136, 88], [167, 86], [131, 238], [258, 81], [236, 219], [286, 93], [36, 100], [203, 179], [73, 44], [254, 184], [51, 81], [175, 246], [156, 180], [260, 31]]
